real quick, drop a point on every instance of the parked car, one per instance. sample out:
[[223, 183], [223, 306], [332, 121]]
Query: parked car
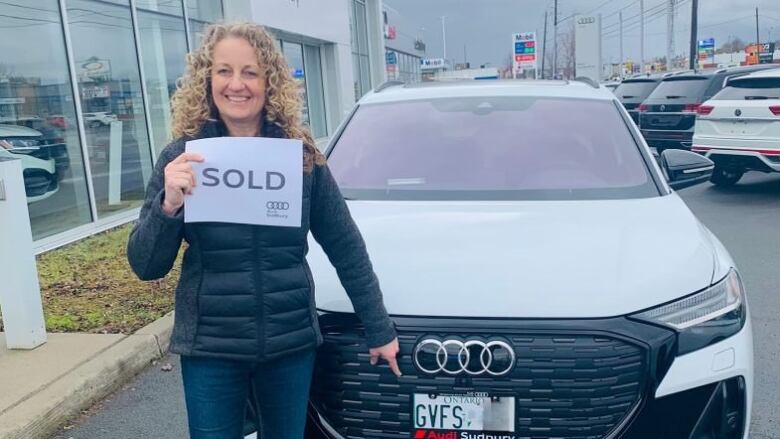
[[739, 128], [38, 166], [633, 91], [611, 85], [99, 118], [545, 279], [668, 115]]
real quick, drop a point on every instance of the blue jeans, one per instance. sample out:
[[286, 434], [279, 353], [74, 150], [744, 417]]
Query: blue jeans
[[217, 391]]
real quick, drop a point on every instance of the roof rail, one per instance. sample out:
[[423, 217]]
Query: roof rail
[[387, 84], [587, 80]]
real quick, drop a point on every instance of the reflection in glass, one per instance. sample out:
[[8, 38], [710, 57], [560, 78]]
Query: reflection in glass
[[201, 13], [38, 115], [315, 92], [163, 46], [110, 86], [360, 58], [293, 53]]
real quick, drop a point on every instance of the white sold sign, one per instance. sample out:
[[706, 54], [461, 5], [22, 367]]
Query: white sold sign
[[247, 180]]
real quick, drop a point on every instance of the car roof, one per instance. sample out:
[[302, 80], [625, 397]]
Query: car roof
[[18, 131], [768, 73], [473, 88]]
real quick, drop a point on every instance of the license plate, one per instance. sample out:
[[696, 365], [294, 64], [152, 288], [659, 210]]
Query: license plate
[[462, 412]]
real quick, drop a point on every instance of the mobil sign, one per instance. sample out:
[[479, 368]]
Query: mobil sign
[[524, 50]]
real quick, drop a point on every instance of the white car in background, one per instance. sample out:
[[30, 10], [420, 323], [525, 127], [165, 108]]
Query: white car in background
[[39, 168], [739, 128], [99, 118], [544, 277]]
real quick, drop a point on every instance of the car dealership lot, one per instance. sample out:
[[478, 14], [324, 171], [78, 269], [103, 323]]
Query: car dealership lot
[[743, 217]]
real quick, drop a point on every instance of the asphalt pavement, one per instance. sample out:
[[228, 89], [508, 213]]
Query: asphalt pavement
[[746, 218]]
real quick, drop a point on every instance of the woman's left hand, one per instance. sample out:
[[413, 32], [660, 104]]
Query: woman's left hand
[[388, 352]]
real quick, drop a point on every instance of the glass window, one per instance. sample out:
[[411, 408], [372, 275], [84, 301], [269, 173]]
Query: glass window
[[293, 53], [201, 13], [163, 46], [751, 89], [490, 148], [360, 62], [38, 115], [110, 86], [316, 92], [688, 89]]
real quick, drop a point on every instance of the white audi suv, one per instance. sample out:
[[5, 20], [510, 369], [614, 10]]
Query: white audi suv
[[545, 279]]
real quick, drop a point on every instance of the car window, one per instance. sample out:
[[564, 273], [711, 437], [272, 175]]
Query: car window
[[635, 89], [680, 90], [751, 88], [490, 148]]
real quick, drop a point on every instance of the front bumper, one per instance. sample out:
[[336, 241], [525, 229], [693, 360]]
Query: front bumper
[[704, 394]]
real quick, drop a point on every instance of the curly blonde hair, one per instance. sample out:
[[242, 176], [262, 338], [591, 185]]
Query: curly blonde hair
[[192, 104]]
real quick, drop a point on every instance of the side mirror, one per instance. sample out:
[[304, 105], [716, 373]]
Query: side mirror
[[684, 168]]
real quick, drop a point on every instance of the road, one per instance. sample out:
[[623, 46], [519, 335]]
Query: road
[[746, 219]]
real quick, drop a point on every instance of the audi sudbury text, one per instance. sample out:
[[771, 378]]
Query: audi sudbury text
[[545, 279]]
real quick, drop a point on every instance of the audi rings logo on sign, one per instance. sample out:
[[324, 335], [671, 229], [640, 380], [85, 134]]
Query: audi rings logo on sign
[[277, 205], [471, 357], [586, 20]]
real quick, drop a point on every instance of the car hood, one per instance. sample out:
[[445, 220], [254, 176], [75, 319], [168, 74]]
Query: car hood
[[535, 259]]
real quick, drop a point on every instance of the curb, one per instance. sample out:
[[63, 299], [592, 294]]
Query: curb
[[43, 413]]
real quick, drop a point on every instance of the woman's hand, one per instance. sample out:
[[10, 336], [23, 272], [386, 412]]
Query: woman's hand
[[179, 181], [388, 352]]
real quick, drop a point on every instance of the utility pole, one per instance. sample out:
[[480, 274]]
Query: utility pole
[[620, 17], [641, 36], [758, 38], [555, 40], [544, 42], [670, 36], [464, 55], [694, 33], [444, 36]]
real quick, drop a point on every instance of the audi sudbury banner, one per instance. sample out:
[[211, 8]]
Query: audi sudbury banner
[[247, 180]]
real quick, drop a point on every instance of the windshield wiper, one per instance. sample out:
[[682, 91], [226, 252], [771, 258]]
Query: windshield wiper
[[674, 97]]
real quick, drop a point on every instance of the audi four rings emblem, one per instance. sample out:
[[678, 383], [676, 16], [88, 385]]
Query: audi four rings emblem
[[277, 205], [472, 357]]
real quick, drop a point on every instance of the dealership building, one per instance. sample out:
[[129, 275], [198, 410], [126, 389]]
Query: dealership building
[[85, 88]]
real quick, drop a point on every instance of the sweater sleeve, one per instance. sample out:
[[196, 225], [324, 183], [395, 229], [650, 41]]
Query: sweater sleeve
[[156, 238], [334, 229]]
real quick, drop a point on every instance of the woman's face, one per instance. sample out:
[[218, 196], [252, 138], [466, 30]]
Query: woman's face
[[237, 82]]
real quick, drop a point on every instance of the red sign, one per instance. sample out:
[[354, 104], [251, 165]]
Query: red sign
[[521, 58]]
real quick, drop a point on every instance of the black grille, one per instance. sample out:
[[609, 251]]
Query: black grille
[[37, 182], [566, 385]]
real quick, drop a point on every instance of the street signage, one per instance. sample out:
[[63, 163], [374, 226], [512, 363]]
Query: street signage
[[706, 51], [587, 54], [524, 49]]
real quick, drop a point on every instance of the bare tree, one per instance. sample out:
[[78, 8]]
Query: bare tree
[[567, 51]]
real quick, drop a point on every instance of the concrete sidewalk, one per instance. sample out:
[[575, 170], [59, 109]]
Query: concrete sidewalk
[[45, 387]]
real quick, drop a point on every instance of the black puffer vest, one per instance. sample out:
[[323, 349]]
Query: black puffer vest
[[246, 291]]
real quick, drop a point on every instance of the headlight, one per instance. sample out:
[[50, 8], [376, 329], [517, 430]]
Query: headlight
[[706, 317]]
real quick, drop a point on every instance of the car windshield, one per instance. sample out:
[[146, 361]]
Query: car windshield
[[516, 148], [682, 89], [751, 88], [635, 89]]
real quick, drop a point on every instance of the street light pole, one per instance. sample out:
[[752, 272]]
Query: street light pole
[[444, 36], [694, 34], [555, 40]]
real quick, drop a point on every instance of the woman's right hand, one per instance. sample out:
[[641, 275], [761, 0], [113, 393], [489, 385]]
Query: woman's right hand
[[179, 181]]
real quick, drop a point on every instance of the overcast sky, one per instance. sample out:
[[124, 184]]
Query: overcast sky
[[484, 27]]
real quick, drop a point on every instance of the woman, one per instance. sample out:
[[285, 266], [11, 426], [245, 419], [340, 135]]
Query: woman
[[245, 312]]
